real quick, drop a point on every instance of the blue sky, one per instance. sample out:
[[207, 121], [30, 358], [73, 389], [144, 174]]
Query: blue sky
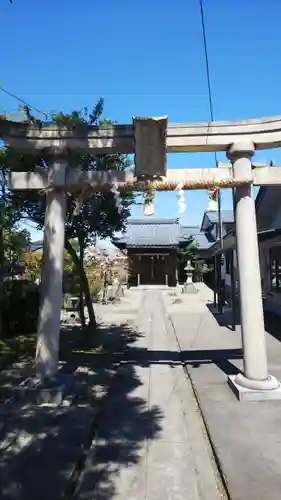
[[146, 58]]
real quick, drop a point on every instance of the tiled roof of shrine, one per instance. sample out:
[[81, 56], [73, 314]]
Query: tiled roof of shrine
[[199, 236], [159, 233], [210, 218], [35, 246], [151, 233], [226, 215]]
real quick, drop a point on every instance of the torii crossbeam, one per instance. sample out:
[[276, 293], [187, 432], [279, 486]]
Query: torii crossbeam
[[150, 139]]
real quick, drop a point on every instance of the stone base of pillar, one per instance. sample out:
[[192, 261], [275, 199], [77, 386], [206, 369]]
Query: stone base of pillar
[[250, 390], [52, 393]]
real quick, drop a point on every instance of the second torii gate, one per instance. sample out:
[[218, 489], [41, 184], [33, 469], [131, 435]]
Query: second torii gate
[[149, 139]]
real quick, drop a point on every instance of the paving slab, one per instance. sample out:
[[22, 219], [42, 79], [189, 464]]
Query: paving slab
[[148, 440], [150, 444], [41, 448], [246, 436]]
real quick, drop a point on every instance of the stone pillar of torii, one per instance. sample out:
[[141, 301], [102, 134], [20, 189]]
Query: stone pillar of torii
[[150, 139]]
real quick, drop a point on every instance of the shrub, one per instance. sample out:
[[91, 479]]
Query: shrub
[[96, 287], [20, 306], [71, 283]]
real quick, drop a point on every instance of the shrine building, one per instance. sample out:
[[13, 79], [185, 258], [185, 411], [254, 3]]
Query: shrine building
[[152, 247]]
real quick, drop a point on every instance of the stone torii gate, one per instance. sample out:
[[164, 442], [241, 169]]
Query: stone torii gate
[[150, 139]]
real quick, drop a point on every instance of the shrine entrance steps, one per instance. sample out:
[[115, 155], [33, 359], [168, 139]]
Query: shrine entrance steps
[[152, 287]]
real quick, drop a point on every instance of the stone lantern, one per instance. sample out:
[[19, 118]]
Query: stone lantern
[[189, 286], [72, 303]]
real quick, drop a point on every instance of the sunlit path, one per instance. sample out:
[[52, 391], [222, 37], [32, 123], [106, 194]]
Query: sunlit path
[[152, 444]]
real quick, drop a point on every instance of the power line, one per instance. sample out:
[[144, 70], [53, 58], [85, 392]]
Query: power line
[[23, 102], [207, 61], [211, 107]]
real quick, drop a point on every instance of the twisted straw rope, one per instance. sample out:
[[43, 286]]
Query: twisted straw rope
[[157, 185]]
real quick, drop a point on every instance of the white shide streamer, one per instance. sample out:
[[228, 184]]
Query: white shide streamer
[[117, 197], [180, 198]]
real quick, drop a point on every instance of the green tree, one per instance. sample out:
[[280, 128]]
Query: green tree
[[200, 269], [7, 215], [13, 242], [89, 214], [188, 250], [16, 243]]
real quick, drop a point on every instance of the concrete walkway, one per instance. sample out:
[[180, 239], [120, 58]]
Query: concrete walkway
[[149, 438], [245, 436], [151, 444]]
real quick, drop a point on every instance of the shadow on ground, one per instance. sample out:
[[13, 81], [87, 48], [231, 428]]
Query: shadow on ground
[[194, 358], [272, 321], [226, 318], [273, 324], [43, 451]]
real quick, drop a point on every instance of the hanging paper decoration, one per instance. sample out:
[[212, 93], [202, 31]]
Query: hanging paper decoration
[[148, 205], [213, 207], [180, 198], [117, 197]]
